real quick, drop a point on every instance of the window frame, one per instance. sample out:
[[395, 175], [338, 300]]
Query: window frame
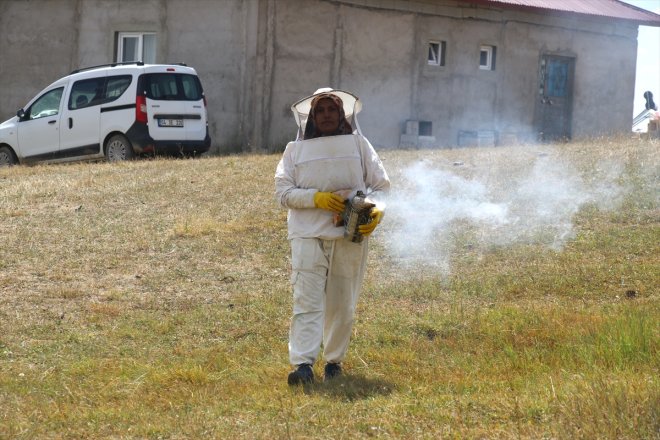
[[491, 56], [149, 58], [438, 48], [425, 128]]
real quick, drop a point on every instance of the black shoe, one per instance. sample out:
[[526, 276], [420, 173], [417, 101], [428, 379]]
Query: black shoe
[[302, 376], [332, 371]]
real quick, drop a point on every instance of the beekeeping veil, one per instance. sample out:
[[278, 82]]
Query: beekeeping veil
[[350, 103]]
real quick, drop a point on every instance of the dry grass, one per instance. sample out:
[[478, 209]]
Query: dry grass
[[150, 299]]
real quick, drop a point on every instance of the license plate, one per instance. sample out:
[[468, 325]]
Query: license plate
[[170, 122]]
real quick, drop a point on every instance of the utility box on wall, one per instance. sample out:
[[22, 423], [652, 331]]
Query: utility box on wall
[[477, 138], [417, 134]]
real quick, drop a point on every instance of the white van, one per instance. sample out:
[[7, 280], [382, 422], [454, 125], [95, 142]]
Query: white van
[[114, 111]]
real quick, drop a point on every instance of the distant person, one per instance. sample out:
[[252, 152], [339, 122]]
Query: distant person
[[329, 161], [650, 105]]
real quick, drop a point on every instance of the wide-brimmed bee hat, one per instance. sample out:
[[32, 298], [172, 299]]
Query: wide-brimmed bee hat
[[350, 103]]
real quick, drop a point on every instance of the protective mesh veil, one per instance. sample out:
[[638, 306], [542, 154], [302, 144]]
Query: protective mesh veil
[[352, 107]]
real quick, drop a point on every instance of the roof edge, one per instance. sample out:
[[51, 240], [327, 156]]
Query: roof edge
[[637, 15]]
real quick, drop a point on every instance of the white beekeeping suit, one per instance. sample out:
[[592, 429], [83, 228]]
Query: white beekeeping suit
[[327, 270]]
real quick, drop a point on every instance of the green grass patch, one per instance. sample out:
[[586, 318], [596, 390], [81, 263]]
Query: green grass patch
[[151, 299]]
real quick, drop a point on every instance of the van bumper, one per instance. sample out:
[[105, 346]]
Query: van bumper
[[142, 143]]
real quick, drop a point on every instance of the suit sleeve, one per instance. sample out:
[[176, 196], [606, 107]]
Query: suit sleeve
[[287, 193], [375, 177]]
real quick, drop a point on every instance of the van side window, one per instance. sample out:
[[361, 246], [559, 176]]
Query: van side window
[[47, 104], [95, 91], [86, 92], [116, 86]]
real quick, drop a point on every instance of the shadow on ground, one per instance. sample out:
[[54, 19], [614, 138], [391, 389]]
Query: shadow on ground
[[350, 387]]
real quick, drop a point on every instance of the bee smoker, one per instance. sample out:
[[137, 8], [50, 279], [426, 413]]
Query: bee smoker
[[357, 212]]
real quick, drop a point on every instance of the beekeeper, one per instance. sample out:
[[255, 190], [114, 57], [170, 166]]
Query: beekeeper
[[328, 162]]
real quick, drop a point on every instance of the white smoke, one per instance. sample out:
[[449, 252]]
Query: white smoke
[[435, 208]]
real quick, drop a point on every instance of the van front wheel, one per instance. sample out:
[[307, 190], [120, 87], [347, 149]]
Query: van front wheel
[[7, 157], [118, 148]]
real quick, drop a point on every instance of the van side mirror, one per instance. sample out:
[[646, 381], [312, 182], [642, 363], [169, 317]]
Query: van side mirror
[[21, 114]]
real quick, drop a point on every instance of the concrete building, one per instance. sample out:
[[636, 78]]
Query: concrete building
[[436, 73]]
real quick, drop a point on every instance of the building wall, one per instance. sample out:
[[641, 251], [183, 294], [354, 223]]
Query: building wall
[[35, 49], [43, 40], [329, 44], [208, 35], [257, 57]]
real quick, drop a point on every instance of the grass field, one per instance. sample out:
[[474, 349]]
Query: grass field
[[511, 293]]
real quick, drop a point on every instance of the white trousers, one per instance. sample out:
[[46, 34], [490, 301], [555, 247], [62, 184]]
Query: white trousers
[[326, 276]]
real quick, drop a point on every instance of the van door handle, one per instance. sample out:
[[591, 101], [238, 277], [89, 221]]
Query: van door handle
[[70, 122], [52, 122]]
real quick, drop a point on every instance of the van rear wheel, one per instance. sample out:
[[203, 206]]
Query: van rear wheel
[[118, 148], [7, 157]]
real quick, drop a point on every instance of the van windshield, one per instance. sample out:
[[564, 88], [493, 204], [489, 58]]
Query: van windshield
[[172, 86]]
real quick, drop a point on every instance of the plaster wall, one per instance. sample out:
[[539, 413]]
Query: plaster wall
[[256, 57], [303, 40], [380, 54], [363, 51], [605, 84], [376, 65], [458, 96], [43, 40], [35, 49], [207, 35], [212, 38], [604, 80]]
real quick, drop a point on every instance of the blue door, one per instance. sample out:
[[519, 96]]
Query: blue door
[[555, 98]]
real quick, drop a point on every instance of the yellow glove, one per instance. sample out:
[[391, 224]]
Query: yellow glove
[[327, 200], [376, 216]]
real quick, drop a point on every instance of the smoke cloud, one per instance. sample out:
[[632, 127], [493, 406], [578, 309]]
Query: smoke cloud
[[434, 208]]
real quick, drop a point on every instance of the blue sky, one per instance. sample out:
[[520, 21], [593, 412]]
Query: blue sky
[[648, 57]]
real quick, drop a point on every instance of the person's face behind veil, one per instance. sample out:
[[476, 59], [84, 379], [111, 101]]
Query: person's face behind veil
[[326, 116]]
